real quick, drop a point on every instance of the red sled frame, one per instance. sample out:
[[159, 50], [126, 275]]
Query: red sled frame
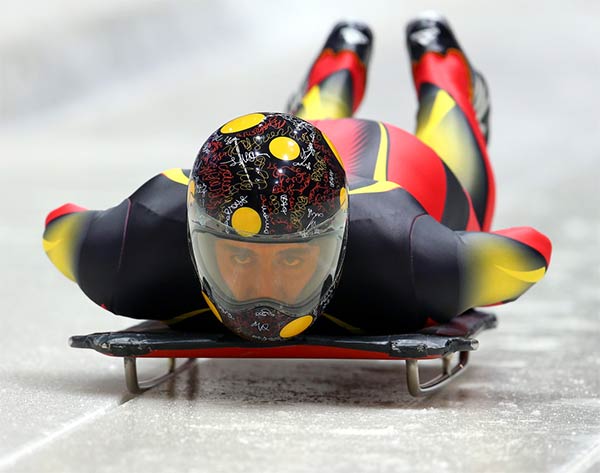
[[153, 339]]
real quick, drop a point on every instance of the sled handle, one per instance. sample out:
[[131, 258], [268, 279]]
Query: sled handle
[[418, 389], [135, 386]]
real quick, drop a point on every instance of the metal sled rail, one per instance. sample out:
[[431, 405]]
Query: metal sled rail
[[155, 340], [135, 386]]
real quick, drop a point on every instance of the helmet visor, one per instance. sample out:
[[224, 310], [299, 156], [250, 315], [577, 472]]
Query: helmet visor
[[284, 274]]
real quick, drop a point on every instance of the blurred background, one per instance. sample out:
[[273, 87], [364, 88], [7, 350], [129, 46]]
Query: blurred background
[[98, 96]]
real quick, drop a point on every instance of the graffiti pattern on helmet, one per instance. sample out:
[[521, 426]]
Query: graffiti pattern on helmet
[[267, 173]]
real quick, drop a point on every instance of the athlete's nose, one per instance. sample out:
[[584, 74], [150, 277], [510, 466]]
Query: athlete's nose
[[267, 284]]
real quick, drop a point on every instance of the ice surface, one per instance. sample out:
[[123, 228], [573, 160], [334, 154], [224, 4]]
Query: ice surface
[[96, 100]]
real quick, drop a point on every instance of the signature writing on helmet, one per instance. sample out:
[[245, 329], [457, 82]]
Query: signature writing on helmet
[[241, 158], [302, 126], [331, 178], [304, 158], [265, 214], [284, 204], [239, 202], [280, 204], [258, 179], [264, 313], [249, 166], [320, 168], [212, 145], [299, 210], [226, 313], [312, 216], [262, 327], [201, 188]]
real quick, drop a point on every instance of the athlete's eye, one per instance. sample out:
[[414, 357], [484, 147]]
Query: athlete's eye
[[291, 261], [242, 258]]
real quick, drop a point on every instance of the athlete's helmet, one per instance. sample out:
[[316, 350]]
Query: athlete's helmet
[[267, 221]]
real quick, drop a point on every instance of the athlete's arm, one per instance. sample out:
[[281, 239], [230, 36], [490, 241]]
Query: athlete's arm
[[131, 259], [85, 245], [457, 271]]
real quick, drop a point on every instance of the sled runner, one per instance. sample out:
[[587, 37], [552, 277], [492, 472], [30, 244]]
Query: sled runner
[[154, 339]]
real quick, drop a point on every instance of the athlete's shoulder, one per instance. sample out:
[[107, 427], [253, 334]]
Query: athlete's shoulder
[[177, 175], [164, 194], [171, 179], [364, 185], [64, 229], [380, 200]]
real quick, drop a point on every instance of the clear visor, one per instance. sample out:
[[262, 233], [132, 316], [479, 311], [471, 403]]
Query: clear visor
[[284, 274]]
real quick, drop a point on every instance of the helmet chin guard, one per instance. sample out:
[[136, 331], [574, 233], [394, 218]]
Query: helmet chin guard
[[267, 220], [264, 322]]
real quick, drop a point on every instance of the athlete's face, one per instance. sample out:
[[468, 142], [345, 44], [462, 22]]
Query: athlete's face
[[278, 271]]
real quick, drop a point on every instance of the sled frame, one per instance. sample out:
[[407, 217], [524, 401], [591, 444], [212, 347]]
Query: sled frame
[[413, 378], [153, 339]]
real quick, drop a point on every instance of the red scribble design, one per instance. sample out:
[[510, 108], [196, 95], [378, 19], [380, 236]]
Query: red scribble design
[[218, 180]]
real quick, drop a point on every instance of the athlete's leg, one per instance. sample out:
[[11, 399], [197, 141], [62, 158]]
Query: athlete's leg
[[453, 109], [375, 150], [335, 84]]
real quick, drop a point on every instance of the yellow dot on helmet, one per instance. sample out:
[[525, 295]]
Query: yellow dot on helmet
[[343, 198], [284, 148], [242, 123], [335, 151], [296, 326], [212, 307], [246, 221]]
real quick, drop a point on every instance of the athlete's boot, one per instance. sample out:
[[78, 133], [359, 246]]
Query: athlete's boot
[[335, 84], [430, 32]]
